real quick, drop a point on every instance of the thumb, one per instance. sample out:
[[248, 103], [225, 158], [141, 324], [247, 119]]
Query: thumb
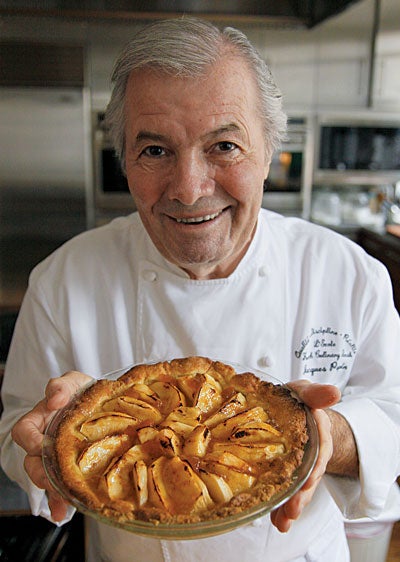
[[316, 395], [60, 390]]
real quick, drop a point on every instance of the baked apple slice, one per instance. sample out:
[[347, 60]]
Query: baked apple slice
[[219, 489], [225, 429], [103, 424], [231, 407], [170, 396], [197, 441], [98, 456], [118, 477], [133, 407], [175, 487]]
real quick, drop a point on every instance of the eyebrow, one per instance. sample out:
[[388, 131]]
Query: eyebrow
[[230, 128], [157, 137], [149, 136]]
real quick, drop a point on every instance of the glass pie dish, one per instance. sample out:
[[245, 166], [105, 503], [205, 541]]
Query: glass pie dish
[[182, 531]]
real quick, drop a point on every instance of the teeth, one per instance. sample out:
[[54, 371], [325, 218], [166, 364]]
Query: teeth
[[199, 219]]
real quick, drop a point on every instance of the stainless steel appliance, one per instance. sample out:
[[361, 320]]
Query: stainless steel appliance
[[111, 194], [42, 180], [361, 149], [356, 169], [288, 187]]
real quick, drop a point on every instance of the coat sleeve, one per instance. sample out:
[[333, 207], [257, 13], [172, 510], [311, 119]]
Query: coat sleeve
[[371, 405], [38, 352]]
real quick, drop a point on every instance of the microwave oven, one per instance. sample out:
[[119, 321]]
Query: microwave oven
[[362, 149]]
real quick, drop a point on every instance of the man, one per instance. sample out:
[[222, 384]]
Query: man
[[195, 117]]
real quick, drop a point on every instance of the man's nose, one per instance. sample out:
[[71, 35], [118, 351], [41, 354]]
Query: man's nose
[[191, 179]]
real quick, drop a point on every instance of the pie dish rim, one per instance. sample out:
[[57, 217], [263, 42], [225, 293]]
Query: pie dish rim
[[182, 531]]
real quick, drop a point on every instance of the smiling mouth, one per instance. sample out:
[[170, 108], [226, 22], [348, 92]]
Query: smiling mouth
[[194, 220]]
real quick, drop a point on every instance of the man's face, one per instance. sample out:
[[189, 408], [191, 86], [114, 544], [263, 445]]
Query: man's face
[[195, 162]]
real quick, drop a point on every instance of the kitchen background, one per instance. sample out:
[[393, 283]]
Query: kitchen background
[[340, 78], [58, 176]]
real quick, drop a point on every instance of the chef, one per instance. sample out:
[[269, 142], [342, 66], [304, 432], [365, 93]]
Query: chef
[[201, 269]]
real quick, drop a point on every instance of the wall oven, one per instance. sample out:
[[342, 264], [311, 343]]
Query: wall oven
[[288, 187], [111, 196]]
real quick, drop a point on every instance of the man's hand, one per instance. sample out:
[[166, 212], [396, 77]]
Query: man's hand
[[317, 397], [28, 433]]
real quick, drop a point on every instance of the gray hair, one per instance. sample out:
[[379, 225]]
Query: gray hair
[[186, 47]]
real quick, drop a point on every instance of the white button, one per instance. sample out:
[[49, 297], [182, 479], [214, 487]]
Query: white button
[[150, 275], [265, 361], [262, 272]]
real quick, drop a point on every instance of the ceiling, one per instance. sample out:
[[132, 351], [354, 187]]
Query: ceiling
[[287, 13]]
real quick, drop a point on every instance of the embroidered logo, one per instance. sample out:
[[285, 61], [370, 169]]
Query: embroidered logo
[[326, 351]]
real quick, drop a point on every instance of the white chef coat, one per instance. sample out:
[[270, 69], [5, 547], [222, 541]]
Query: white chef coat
[[303, 303]]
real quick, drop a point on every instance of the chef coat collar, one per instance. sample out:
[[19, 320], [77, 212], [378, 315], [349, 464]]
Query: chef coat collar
[[165, 264]]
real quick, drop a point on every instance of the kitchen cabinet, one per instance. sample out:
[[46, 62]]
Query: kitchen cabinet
[[387, 81], [342, 82], [296, 81], [323, 84], [385, 248]]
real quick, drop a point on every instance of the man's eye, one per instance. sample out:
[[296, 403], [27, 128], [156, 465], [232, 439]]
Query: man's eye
[[154, 151], [226, 146]]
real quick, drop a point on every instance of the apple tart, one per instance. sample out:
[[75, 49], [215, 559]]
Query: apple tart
[[180, 441]]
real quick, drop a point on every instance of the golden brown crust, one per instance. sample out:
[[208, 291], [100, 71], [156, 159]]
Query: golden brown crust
[[228, 441]]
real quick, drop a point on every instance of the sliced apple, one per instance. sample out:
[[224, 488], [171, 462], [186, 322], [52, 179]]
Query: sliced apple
[[174, 486], [182, 429], [169, 442], [236, 472], [197, 441], [139, 477], [190, 385], [225, 429], [98, 456], [230, 408], [255, 432], [251, 452], [147, 433], [102, 424], [218, 488], [208, 396], [119, 477], [185, 414], [145, 393], [170, 396], [133, 407]]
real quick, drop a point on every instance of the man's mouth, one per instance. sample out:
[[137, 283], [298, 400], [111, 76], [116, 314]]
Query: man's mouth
[[204, 218]]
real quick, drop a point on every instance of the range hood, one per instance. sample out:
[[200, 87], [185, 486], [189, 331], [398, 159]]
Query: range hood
[[290, 13]]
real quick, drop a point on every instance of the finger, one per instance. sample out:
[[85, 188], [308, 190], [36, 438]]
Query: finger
[[316, 395], [60, 390], [28, 431], [280, 520], [58, 506], [34, 468], [283, 517], [325, 449]]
